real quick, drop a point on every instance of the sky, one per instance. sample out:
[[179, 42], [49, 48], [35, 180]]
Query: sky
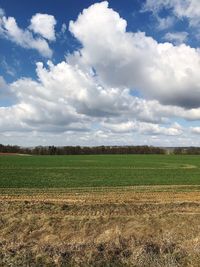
[[100, 72]]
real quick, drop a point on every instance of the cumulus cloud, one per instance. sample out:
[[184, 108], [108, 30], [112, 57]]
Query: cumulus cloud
[[161, 71], [65, 98], [44, 25], [24, 38]]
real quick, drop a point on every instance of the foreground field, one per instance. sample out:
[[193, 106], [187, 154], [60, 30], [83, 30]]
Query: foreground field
[[98, 171], [144, 227], [102, 211]]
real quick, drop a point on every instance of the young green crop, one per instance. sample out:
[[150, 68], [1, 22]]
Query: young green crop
[[98, 171]]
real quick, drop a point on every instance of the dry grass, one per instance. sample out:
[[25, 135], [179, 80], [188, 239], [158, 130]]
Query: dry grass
[[155, 228]]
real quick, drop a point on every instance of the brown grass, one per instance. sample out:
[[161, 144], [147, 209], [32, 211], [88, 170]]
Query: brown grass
[[157, 228]]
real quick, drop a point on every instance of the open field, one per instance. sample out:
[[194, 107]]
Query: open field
[[98, 171], [102, 211]]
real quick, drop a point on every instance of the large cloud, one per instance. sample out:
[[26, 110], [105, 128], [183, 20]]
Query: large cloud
[[65, 98], [161, 71]]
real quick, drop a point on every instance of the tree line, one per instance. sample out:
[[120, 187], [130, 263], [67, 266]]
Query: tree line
[[187, 151], [86, 150], [81, 150]]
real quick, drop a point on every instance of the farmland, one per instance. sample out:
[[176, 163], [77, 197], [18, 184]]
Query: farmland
[[128, 210], [98, 171]]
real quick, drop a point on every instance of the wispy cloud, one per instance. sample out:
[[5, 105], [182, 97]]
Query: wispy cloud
[[176, 37], [187, 9]]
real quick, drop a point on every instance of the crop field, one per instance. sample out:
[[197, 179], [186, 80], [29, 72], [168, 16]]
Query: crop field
[[98, 171], [102, 211]]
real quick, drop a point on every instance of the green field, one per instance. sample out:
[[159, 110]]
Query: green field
[[98, 171]]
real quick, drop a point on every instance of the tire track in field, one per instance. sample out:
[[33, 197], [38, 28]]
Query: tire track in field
[[186, 166], [80, 211]]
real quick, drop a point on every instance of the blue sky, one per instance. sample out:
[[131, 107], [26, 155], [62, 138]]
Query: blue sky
[[119, 72]]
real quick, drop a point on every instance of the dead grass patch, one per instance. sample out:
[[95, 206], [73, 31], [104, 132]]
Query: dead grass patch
[[123, 228]]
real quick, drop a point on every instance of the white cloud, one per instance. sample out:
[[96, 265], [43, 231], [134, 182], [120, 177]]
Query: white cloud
[[143, 128], [121, 127], [154, 129], [6, 95], [44, 25], [65, 98], [164, 23], [8, 69], [24, 38], [176, 37], [195, 130], [122, 59], [189, 9]]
